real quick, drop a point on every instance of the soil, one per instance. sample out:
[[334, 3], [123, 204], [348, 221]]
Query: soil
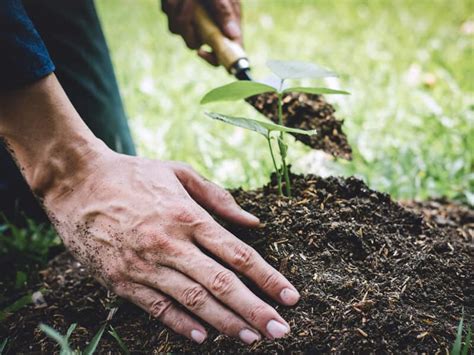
[[374, 275], [307, 111]]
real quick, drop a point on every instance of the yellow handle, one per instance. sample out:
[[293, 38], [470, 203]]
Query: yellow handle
[[228, 52]]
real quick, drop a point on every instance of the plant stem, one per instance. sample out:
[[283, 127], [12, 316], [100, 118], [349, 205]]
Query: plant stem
[[277, 171], [281, 142]]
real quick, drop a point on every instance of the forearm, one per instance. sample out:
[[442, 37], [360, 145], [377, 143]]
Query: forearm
[[49, 141]]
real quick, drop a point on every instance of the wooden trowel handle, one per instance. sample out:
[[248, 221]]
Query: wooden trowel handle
[[228, 52]]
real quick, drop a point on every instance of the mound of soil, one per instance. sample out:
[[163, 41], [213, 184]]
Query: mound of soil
[[373, 275], [307, 111]]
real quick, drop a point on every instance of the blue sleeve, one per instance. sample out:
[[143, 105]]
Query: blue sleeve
[[23, 55]]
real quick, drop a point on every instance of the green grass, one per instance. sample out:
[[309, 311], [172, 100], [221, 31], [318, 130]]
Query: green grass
[[63, 340], [462, 345], [410, 139], [66, 348]]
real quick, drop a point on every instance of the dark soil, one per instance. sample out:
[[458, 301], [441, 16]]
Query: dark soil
[[306, 111], [374, 276]]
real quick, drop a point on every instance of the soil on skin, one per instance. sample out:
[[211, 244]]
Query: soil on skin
[[373, 275], [307, 111]]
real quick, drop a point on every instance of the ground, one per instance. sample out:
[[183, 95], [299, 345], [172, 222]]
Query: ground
[[373, 276]]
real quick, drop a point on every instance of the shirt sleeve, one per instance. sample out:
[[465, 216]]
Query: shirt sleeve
[[23, 55]]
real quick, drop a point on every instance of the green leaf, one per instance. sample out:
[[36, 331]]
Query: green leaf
[[238, 90], [70, 330], [467, 342], [20, 279], [262, 127], [247, 123], [119, 340], [456, 350], [3, 344], [90, 349], [298, 70], [57, 337], [316, 91], [17, 305]]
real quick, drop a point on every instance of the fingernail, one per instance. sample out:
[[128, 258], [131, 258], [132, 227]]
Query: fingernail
[[198, 336], [232, 29], [289, 296], [251, 217], [277, 329], [248, 336]]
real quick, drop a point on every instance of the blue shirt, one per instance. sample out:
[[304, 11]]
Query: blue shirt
[[23, 55]]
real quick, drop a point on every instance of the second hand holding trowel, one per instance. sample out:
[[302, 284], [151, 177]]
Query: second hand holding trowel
[[229, 53]]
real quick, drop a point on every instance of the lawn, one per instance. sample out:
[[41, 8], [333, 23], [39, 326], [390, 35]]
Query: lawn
[[408, 65]]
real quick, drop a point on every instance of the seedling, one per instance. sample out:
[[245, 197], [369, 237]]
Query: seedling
[[458, 349], [240, 90], [3, 344], [63, 340]]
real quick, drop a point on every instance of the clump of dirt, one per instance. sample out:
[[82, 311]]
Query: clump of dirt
[[373, 275], [307, 111]]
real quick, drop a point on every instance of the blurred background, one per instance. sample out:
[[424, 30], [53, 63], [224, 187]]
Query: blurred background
[[408, 64]]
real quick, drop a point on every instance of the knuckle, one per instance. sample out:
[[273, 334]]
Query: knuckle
[[159, 242], [223, 195], [243, 256], [178, 325], [258, 313], [270, 281], [159, 306], [129, 258], [226, 324], [222, 282], [223, 7], [195, 297], [163, 242], [184, 216], [113, 278]]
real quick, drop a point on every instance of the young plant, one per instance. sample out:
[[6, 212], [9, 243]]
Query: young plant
[[119, 340], [3, 345], [458, 349], [240, 90], [63, 340]]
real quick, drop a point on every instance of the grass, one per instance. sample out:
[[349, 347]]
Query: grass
[[410, 117], [63, 340], [458, 347], [66, 348]]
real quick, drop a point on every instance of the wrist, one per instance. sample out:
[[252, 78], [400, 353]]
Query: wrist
[[48, 140], [64, 164]]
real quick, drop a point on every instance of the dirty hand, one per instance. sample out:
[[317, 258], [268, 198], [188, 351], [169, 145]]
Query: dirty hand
[[141, 225], [225, 13]]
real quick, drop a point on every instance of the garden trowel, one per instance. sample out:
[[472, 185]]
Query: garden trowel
[[304, 111]]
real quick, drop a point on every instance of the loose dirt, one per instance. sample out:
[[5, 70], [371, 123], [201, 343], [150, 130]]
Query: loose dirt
[[374, 275], [306, 111]]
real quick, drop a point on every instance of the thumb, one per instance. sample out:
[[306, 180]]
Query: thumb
[[213, 198]]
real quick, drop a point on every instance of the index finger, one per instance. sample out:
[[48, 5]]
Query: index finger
[[246, 260]]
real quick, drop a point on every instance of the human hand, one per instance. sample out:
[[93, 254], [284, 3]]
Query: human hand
[[225, 13], [140, 225]]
